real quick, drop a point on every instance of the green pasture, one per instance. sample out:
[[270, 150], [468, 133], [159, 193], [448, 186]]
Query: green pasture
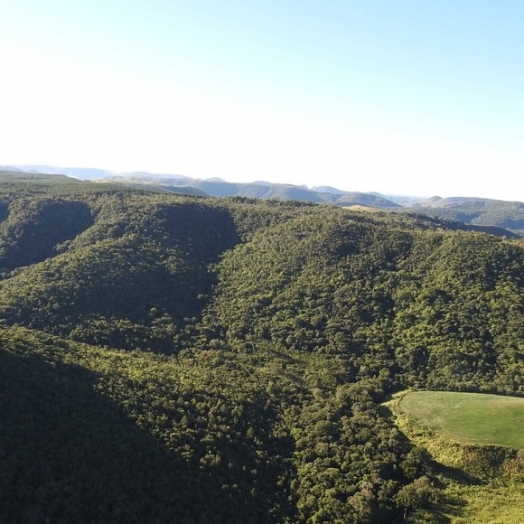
[[469, 417]]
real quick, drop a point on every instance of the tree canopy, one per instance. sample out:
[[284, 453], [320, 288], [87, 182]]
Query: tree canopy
[[173, 358]]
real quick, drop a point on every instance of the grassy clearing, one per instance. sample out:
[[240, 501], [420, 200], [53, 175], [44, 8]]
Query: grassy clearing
[[472, 418], [359, 207], [476, 491]]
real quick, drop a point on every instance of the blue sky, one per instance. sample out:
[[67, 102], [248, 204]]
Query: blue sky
[[407, 97]]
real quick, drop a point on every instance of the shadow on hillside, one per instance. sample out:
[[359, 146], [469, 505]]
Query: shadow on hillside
[[456, 474], [141, 290], [37, 227], [68, 454], [447, 506], [202, 233]]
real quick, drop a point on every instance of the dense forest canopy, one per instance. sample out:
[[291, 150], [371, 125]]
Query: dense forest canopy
[[173, 358]]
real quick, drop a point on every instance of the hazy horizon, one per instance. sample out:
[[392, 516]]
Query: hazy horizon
[[392, 97], [57, 170]]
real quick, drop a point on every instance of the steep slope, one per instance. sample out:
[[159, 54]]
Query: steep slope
[[93, 435], [34, 228], [415, 306], [130, 279]]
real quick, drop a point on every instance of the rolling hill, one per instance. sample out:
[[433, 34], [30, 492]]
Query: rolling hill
[[220, 188], [476, 211], [175, 358]]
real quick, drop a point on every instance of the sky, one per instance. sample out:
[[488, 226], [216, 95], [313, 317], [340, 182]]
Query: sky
[[411, 97]]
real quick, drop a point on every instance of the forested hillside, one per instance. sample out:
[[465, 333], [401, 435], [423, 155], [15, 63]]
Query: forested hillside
[[167, 358]]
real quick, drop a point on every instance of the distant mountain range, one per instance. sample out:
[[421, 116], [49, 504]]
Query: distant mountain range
[[480, 212], [218, 187], [475, 211]]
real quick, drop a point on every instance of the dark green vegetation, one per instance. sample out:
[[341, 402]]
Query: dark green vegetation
[[469, 417], [178, 359]]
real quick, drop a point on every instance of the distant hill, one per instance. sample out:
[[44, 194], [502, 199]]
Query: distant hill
[[158, 176], [437, 201], [475, 211], [265, 190], [10, 169], [12, 176], [364, 199], [218, 187], [163, 183], [328, 189]]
